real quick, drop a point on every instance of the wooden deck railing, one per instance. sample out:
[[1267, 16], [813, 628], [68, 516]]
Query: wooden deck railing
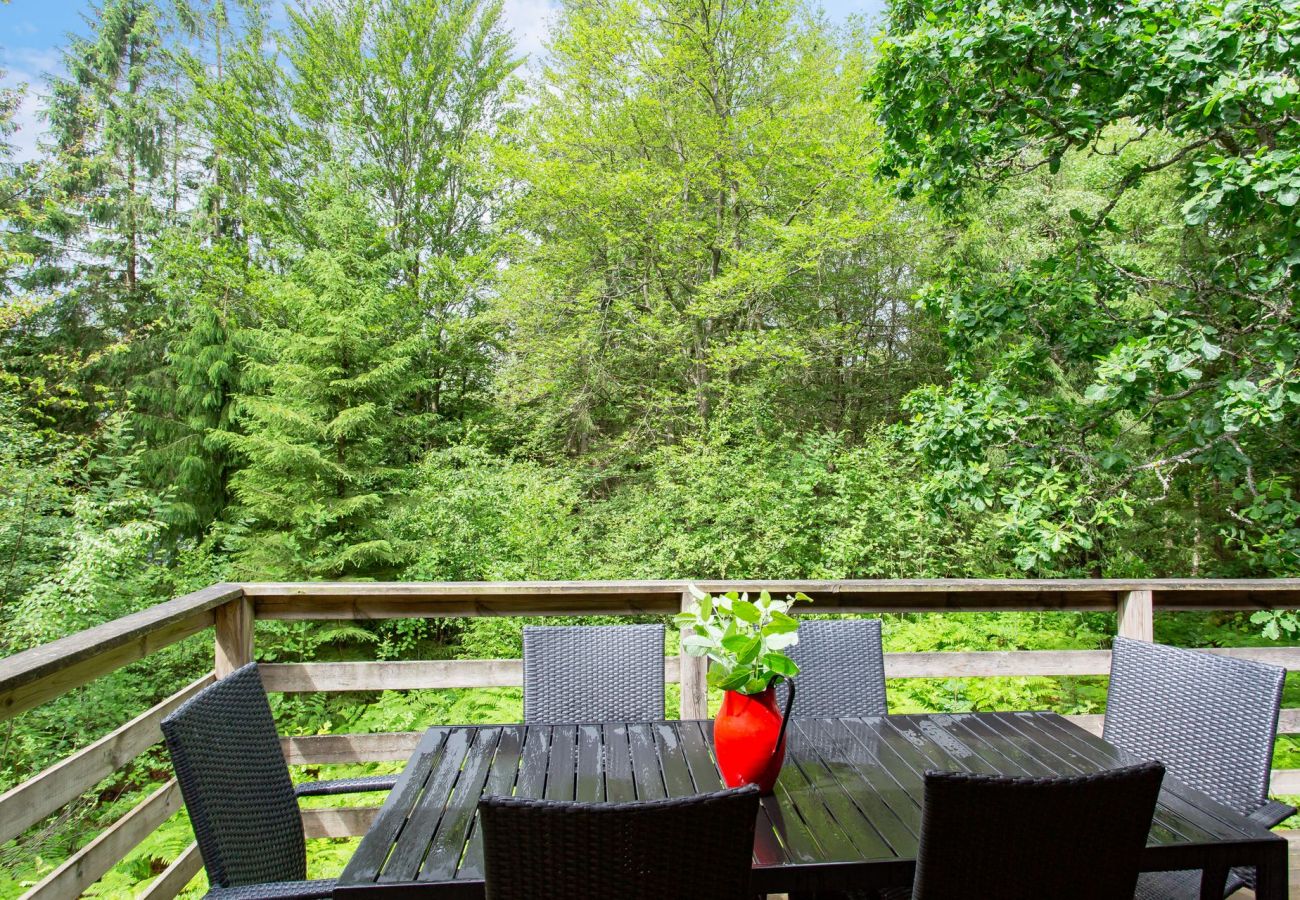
[[44, 673]]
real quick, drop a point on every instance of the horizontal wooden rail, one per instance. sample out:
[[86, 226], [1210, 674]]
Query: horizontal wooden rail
[[89, 864], [43, 673], [318, 749], [36, 798], [481, 673], [406, 676], [338, 821], [381, 600]]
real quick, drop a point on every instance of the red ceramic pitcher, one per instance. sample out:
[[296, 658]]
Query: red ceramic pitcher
[[749, 738]]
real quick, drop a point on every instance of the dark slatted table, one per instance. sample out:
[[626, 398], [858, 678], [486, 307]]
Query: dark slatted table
[[845, 814]]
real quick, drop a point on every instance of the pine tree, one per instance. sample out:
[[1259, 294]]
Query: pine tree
[[321, 420]]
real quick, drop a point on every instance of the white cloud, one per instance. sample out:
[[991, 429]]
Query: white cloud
[[529, 22], [30, 66]]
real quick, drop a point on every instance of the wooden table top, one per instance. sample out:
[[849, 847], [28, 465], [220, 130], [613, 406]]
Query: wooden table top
[[846, 812]]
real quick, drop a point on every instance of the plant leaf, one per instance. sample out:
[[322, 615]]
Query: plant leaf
[[746, 612], [781, 664]]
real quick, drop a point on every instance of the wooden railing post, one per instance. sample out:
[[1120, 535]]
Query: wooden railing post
[[234, 626], [1134, 615], [694, 675]]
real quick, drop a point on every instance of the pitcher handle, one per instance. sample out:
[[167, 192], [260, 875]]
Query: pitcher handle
[[785, 720]]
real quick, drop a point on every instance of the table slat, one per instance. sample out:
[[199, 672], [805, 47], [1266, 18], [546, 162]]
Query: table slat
[[698, 748], [865, 760], [871, 807], [645, 763], [561, 763], [620, 787], [1192, 815], [448, 844], [390, 820], [672, 761], [404, 864], [532, 764], [501, 783], [845, 819], [590, 783], [1168, 825]]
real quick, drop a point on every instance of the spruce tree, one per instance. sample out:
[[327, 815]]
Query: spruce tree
[[321, 420], [184, 403]]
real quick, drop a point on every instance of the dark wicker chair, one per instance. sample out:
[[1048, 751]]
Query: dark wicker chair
[[680, 849], [1068, 838], [841, 669], [1211, 720], [603, 673], [236, 786]]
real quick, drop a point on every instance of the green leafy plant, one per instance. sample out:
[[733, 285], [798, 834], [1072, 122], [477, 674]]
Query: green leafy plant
[[743, 639]]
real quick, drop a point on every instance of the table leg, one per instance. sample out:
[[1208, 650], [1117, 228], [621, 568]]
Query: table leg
[[1271, 873]]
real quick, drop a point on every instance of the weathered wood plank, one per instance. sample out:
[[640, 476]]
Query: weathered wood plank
[[1089, 723], [38, 662], [990, 663], [406, 675], [26, 804], [1285, 781], [694, 677], [88, 864], [473, 673], [1022, 663], [19, 693], [176, 876], [318, 749], [336, 821], [233, 646], [1134, 615], [357, 600], [1013, 663]]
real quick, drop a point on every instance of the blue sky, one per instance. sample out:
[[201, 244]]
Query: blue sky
[[32, 32]]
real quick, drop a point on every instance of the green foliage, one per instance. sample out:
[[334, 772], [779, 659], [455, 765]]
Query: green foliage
[[696, 238], [97, 550], [344, 296], [741, 506], [186, 403], [473, 516], [1148, 350], [742, 639], [408, 96], [319, 422]]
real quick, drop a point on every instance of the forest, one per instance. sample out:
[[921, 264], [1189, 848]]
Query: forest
[[711, 288]]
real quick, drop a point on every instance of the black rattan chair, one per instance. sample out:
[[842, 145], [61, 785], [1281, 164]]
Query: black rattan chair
[[1211, 720], [680, 849], [1068, 838], [603, 673], [237, 791], [841, 668]]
